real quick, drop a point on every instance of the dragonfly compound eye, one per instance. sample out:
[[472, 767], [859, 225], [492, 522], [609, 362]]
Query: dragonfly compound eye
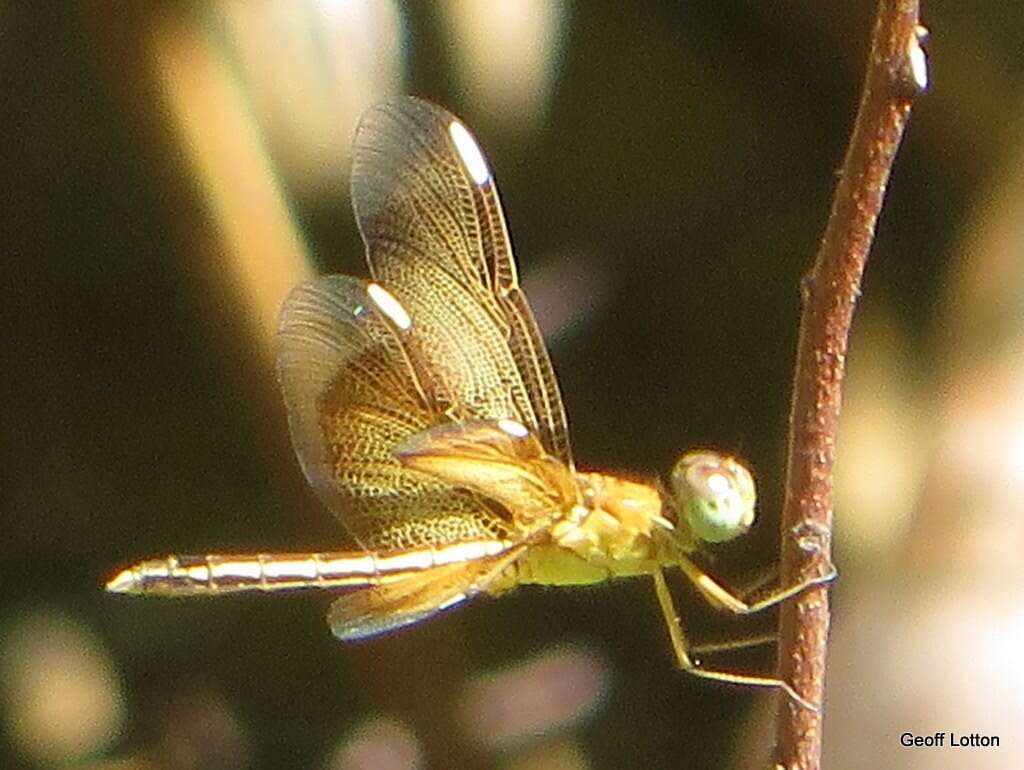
[[715, 494]]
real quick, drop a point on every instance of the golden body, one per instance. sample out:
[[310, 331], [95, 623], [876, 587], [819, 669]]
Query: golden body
[[425, 413]]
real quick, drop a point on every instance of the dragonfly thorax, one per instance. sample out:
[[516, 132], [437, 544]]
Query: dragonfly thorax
[[617, 525]]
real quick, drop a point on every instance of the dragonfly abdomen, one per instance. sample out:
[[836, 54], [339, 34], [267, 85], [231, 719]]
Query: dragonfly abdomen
[[217, 574]]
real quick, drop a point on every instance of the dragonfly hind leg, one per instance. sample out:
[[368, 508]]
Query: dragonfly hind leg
[[686, 663]]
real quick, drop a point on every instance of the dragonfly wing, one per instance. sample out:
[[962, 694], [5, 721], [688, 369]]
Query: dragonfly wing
[[354, 391], [497, 458], [429, 212], [389, 607]]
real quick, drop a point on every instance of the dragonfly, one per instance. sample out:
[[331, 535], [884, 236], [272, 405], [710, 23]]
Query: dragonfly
[[424, 411]]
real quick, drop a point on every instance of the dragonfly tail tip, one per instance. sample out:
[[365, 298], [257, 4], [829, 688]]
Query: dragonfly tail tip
[[124, 582]]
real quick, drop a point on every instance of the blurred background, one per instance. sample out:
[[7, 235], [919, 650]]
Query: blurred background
[[172, 169]]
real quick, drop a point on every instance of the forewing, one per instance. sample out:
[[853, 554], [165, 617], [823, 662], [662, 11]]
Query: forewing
[[497, 458], [429, 212], [353, 392]]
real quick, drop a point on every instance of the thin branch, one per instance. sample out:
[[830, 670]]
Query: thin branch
[[897, 72]]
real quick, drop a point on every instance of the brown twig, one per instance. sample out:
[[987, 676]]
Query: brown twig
[[897, 72]]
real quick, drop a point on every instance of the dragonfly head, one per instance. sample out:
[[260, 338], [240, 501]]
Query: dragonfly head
[[714, 494]]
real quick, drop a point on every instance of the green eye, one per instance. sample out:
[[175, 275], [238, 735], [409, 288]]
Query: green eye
[[714, 494]]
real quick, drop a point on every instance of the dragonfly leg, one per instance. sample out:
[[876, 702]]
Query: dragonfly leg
[[720, 596], [727, 645], [686, 663]]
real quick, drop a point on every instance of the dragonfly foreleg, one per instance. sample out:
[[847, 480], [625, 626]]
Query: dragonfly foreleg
[[720, 596]]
